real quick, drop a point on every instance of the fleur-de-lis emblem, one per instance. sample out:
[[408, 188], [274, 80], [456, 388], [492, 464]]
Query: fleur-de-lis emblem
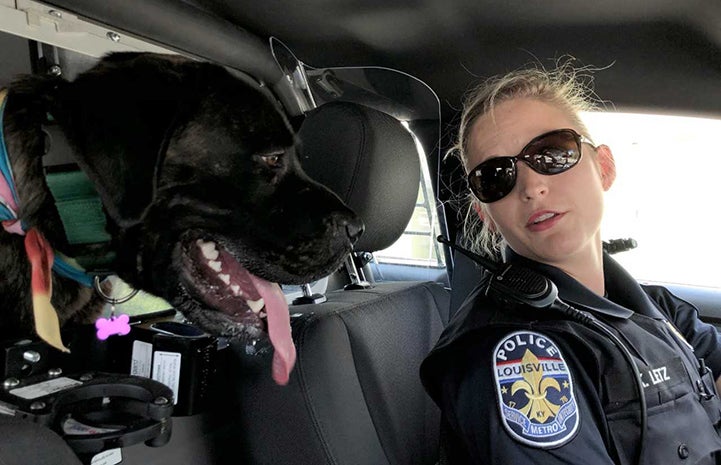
[[536, 386]]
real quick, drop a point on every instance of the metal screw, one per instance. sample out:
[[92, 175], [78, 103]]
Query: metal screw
[[86, 377], [113, 36], [55, 70], [10, 383], [56, 13], [37, 405], [55, 372], [160, 400], [31, 356]]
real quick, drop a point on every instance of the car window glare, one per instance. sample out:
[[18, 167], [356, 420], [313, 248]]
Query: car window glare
[[664, 194]]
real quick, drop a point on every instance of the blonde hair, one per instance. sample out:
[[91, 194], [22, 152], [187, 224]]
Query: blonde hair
[[566, 87]]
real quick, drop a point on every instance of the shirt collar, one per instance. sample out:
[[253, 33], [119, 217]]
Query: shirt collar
[[624, 295]]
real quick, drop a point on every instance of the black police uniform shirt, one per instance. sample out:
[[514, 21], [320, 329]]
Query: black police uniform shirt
[[521, 385]]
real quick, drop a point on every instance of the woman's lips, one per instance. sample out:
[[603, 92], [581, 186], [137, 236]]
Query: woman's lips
[[543, 220]]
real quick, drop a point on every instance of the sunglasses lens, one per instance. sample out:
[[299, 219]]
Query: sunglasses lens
[[553, 153], [550, 153], [493, 179]]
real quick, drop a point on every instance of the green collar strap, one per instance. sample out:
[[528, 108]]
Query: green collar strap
[[79, 206], [77, 202], [82, 215]]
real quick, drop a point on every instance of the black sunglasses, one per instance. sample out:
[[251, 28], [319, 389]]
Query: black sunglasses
[[550, 153]]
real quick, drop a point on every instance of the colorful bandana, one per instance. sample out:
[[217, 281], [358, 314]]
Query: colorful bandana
[[39, 252]]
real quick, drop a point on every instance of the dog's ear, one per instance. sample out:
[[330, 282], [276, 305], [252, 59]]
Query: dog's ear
[[117, 116], [34, 94]]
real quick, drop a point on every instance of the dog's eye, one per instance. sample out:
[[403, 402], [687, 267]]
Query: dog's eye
[[272, 160]]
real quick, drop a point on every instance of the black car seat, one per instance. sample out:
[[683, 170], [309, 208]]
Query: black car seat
[[467, 274], [25, 443], [354, 396]]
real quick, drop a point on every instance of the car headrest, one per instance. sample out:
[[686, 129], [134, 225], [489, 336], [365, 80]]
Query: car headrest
[[370, 161]]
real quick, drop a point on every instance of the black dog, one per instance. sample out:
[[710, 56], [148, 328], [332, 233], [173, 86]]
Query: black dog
[[205, 201]]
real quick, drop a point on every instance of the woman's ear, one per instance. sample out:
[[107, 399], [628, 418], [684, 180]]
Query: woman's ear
[[478, 209], [485, 218], [607, 165]]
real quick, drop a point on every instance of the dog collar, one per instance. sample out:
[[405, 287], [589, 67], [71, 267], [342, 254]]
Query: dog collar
[[9, 202], [82, 215], [77, 202]]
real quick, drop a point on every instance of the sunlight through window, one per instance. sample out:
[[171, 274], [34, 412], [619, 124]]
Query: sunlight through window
[[665, 194]]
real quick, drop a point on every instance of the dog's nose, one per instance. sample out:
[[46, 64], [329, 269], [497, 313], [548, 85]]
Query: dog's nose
[[354, 228]]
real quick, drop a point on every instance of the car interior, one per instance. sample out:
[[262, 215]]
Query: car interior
[[374, 91]]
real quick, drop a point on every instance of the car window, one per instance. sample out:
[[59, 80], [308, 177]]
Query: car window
[[418, 245], [665, 194]]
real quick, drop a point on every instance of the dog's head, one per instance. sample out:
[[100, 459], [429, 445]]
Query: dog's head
[[206, 200]]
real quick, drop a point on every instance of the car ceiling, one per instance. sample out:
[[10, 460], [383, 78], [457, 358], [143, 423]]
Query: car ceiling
[[663, 55]]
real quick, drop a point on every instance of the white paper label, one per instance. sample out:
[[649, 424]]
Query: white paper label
[[46, 387], [107, 457], [142, 357], [166, 369]]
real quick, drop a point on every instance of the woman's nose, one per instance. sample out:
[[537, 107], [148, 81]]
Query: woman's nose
[[531, 184]]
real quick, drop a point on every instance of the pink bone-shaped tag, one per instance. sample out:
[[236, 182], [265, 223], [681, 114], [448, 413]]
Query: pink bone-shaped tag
[[114, 325]]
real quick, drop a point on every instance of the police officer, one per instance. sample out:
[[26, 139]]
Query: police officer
[[518, 384]]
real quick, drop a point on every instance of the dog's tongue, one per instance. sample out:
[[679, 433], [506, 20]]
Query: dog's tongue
[[278, 328]]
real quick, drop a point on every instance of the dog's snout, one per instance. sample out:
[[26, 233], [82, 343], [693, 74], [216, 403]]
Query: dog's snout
[[354, 228]]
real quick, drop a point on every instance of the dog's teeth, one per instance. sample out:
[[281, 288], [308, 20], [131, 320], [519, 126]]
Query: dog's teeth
[[255, 305], [209, 250], [262, 314], [224, 277], [236, 290], [215, 265]]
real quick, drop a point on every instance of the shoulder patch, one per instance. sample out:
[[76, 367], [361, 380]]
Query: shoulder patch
[[534, 390]]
